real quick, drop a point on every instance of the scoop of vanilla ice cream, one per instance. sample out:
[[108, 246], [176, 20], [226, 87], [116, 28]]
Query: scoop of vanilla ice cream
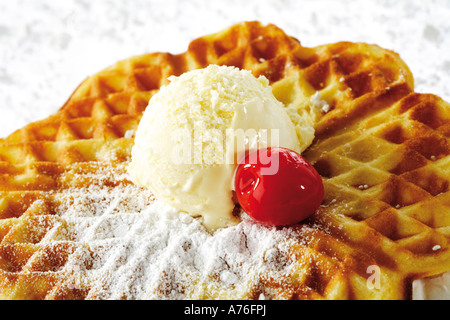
[[197, 128]]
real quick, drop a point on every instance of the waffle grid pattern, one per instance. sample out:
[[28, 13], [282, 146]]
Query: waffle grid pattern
[[381, 148], [394, 179]]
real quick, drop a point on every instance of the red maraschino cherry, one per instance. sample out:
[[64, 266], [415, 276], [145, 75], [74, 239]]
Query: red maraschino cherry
[[277, 186]]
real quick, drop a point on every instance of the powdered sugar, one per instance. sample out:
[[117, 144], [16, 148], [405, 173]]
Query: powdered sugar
[[50, 47], [318, 103], [137, 247]]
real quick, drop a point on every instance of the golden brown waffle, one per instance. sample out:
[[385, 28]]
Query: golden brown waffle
[[381, 149]]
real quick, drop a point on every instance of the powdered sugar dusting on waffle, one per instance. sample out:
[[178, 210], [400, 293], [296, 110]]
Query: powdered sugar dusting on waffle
[[136, 247]]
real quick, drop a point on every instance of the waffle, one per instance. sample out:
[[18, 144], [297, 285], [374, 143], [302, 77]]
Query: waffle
[[72, 225]]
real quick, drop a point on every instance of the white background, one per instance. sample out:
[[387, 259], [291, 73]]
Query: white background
[[48, 47]]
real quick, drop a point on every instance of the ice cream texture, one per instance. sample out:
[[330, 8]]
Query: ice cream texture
[[197, 128]]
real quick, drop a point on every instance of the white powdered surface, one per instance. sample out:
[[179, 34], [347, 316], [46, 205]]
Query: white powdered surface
[[136, 247], [48, 47]]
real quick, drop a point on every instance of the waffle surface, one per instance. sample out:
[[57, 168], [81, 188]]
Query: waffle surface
[[71, 223]]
